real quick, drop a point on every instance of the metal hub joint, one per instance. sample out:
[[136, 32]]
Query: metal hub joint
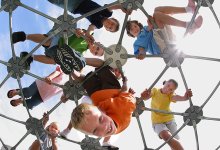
[[90, 144], [173, 55], [16, 67], [36, 126], [194, 115], [131, 4], [139, 107], [204, 4], [11, 4], [118, 53]]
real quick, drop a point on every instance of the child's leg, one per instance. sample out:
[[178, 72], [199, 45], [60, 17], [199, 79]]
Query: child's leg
[[30, 91], [34, 100], [177, 10], [37, 38], [35, 145], [173, 143], [44, 59], [66, 131], [94, 62]]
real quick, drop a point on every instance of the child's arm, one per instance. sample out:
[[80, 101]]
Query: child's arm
[[89, 37], [53, 75], [124, 87], [44, 59], [45, 119], [186, 96], [119, 6], [145, 95], [54, 143]]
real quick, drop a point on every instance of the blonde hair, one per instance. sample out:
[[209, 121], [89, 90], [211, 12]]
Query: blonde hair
[[78, 114]]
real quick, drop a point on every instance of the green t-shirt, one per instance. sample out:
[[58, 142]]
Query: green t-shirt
[[79, 44]]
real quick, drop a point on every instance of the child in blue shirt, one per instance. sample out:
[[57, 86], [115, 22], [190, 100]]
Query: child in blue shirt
[[148, 40]]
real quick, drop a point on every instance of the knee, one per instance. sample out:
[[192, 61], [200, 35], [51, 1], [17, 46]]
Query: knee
[[165, 135]]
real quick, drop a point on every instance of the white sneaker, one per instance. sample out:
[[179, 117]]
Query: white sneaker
[[65, 133]]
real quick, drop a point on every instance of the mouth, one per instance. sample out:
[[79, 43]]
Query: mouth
[[110, 128]]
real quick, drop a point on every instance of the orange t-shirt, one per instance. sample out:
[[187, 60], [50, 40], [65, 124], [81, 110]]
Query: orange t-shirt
[[117, 105]]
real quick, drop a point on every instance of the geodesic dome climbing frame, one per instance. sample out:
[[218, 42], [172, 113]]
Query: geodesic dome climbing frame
[[115, 56]]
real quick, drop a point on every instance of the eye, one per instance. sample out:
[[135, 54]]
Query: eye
[[100, 119]]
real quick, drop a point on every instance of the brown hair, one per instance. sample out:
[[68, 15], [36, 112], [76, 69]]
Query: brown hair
[[78, 114], [117, 24], [173, 81], [128, 26]]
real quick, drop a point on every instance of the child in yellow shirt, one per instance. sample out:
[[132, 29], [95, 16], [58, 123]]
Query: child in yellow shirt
[[164, 124]]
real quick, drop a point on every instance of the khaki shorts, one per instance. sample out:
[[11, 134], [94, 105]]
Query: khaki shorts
[[167, 126], [168, 34]]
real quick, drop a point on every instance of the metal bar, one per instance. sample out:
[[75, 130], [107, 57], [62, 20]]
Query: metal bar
[[58, 104], [53, 33], [6, 78], [3, 7], [185, 84], [94, 11], [174, 134], [12, 119], [22, 95], [146, 56], [216, 87], [141, 130], [217, 148], [10, 29], [38, 137], [65, 37], [164, 111], [39, 78], [40, 13], [193, 17], [5, 63], [213, 12], [208, 118], [26, 134], [3, 144], [123, 30], [158, 78], [196, 134], [203, 58], [65, 10], [69, 140]]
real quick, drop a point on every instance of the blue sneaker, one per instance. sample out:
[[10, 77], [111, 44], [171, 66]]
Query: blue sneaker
[[68, 59]]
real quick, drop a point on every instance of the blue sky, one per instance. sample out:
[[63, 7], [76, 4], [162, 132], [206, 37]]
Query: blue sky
[[201, 76]]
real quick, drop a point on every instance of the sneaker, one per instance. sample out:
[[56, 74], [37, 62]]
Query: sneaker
[[69, 59], [192, 5], [196, 24], [18, 37], [64, 133], [28, 61], [108, 146]]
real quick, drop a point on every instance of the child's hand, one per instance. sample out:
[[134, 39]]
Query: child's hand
[[141, 54], [188, 94], [48, 80], [124, 79], [45, 118], [145, 94], [63, 98], [90, 39], [130, 90], [79, 33]]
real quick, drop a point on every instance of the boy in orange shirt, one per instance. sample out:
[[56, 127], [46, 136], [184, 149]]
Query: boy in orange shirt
[[112, 109]]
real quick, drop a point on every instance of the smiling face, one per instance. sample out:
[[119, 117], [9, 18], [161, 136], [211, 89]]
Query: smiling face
[[53, 129], [134, 29], [96, 50], [110, 25], [97, 123], [169, 87]]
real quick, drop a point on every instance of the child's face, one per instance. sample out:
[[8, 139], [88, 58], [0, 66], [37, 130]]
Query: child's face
[[110, 25], [53, 129], [169, 87], [96, 50], [97, 123], [134, 29]]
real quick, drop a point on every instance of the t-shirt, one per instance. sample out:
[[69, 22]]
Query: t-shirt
[[79, 44], [145, 39], [160, 101], [117, 105], [95, 19], [46, 143], [46, 90]]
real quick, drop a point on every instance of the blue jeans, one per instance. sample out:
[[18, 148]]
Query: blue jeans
[[32, 95]]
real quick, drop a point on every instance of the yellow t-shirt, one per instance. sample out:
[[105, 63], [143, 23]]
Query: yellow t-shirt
[[160, 101]]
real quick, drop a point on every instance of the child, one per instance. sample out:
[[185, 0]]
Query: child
[[112, 106], [148, 40], [164, 124], [48, 141], [39, 91], [87, 100], [99, 19]]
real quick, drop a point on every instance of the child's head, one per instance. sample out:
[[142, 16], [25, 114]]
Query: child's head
[[96, 50], [90, 120], [133, 28], [111, 24], [53, 129], [169, 86]]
